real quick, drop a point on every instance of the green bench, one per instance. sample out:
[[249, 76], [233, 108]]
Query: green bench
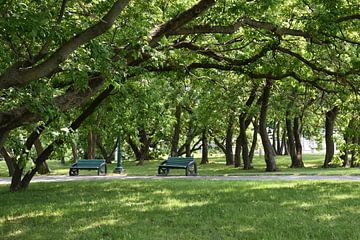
[[88, 164], [187, 163]]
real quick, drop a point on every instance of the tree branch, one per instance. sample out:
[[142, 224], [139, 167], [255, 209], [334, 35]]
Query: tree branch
[[15, 77], [179, 21]]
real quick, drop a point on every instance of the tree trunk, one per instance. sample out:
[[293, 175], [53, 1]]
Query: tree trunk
[[254, 142], [176, 135], [269, 154], [278, 142], [108, 156], [44, 168], [354, 152], [8, 160], [283, 148], [237, 156], [135, 148], [297, 138], [274, 138], [345, 154], [229, 140], [74, 151], [291, 142], [329, 131], [244, 142], [145, 146], [205, 146], [91, 144]]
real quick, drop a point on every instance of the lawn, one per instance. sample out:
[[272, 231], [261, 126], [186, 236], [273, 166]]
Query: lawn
[[216, 167], [181, 209]]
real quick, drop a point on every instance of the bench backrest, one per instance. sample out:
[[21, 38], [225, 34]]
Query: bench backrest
[[90, 162], [179, 160]]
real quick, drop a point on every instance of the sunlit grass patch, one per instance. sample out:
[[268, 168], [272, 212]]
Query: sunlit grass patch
[[182, 209]]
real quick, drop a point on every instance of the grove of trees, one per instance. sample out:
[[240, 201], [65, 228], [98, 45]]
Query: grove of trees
[[173, 76]]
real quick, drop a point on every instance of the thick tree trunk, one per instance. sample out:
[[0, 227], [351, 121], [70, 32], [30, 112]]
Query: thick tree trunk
[[8, 160], [176, 134], [269, 154], [145, 146], [44, 168], [229, 140], [329, 131], [205, 148], [298, 145], [237, 156]]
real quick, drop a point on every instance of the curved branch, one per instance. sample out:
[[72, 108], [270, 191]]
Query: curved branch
[[17, 77], [179, 21], [348, 18]]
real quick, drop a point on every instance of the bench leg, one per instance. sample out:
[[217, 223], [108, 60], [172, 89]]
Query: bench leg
[[73, 172], [191, 170], [163, 171]]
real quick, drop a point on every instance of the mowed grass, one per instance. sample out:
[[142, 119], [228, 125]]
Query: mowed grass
[[182, 209], [216, 167]]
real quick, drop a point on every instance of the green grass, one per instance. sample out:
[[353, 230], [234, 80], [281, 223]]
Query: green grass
[[216, 166], [182, 209]]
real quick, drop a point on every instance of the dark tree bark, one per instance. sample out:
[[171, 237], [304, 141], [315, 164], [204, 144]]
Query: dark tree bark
[[134, 148], [291, 142], [297, 138], [269, 154], [8, 160], [237, 156], [176, 134], [145, 146], [44, 168], [241, 140], [244, 143], [278, 138], [254, 142], [329, 131], [274, 138], [229, 140], [205, 148]]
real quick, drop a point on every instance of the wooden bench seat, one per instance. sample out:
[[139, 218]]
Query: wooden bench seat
[[88, 164], [187, 163]]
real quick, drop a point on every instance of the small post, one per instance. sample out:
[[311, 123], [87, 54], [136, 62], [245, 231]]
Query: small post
[[119, 168]]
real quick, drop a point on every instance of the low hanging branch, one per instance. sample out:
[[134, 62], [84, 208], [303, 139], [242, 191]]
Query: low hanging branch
[[73, 97]]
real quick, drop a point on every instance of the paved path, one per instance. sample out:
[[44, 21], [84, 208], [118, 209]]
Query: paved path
[[63, 178]]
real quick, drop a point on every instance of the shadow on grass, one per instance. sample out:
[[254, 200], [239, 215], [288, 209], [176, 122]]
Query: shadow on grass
[[182, 209]]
